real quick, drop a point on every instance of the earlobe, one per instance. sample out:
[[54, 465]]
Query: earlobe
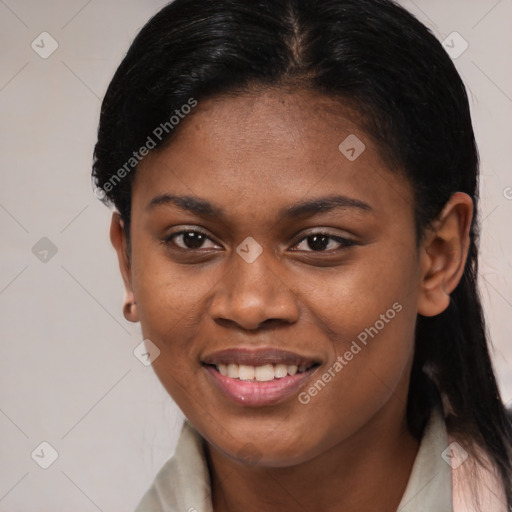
[[119, 242], [443, 254], [130, 310]]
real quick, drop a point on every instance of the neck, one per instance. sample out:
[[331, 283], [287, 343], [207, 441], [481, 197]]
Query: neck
[[369, 469]]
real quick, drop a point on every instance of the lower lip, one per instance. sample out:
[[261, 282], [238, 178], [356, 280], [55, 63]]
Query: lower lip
[[256, 393]]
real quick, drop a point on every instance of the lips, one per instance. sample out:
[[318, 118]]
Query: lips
[[257, 377]]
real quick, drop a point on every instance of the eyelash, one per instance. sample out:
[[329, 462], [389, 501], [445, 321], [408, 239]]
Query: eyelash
[[344, 242]]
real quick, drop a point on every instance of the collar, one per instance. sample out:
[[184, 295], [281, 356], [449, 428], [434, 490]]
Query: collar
[[429, 486]]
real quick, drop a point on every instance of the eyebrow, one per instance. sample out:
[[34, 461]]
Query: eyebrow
[[203, 208]]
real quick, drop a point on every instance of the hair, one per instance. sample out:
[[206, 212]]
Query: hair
[[378, 58]]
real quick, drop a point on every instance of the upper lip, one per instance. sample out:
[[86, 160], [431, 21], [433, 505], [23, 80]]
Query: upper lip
[[258, 357]]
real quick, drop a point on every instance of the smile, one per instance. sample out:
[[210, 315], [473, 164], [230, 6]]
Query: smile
[[264, 373], [259, 377]]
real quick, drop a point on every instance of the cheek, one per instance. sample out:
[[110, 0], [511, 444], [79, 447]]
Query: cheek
[[372, 347], [368, 314], [171, 305], [346, 301], [170, 297]]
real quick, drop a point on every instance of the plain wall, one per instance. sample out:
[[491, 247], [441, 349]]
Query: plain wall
[[67, 372]]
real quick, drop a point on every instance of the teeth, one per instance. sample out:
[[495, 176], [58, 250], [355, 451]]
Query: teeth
[[292, 370], [233, 371], [245, 372], [262, 373], [280, 370]]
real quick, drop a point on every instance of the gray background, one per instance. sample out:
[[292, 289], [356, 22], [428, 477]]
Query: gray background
[[68, 375]]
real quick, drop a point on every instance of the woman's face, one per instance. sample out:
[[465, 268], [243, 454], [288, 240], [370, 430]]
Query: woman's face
[[306, 256]]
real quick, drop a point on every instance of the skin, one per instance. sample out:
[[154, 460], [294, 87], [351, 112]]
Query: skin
[[251, 155]]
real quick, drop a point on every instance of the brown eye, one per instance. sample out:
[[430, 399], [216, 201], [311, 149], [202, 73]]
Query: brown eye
[[319, 242], [190, 239]]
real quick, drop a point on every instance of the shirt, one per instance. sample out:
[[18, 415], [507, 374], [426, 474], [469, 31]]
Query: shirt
[[183, 483]]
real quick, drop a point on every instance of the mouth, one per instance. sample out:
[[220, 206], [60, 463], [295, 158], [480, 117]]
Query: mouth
[[258, 377], [262, 365], [260, 373]]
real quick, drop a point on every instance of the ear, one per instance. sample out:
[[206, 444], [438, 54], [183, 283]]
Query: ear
[[120, 243], [443, 254]]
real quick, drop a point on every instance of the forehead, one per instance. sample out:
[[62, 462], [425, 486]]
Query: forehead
[[270, 148]]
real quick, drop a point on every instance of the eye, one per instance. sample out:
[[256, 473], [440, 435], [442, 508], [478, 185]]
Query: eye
[[191, 239], [319, 242]]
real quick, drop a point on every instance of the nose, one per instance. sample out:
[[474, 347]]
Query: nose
[[253, 295]]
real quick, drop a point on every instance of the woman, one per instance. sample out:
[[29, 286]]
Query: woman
[[296, 184]]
